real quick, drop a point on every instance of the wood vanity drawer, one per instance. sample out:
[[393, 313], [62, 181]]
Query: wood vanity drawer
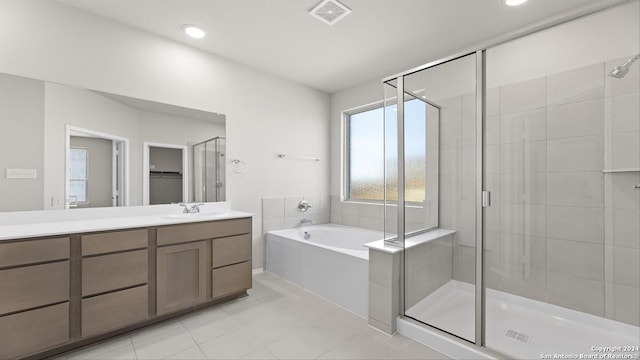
[[201, 231], [114, 241], [231, 250], [230, 279], [115, 271], [33, 251], [114, 310], [232, 227], [32, 286], [35, 330]]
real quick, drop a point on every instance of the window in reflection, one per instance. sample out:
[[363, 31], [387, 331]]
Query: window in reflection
[[78, 174]]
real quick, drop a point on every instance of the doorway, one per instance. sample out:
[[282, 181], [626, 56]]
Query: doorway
[[96, 169], [165, 173]]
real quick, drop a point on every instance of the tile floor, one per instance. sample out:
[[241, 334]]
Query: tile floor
[[278, 320]]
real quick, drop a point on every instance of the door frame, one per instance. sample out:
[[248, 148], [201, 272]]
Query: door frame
[[120, 164]]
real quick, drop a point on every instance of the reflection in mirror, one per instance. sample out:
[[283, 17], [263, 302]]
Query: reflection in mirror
[[96, 169], [166, 174], [209, 170], [34, 151]]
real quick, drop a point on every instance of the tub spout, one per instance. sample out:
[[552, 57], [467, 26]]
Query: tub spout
[[307, 221]]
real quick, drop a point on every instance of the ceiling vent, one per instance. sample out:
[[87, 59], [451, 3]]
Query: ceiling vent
[[330, 11]]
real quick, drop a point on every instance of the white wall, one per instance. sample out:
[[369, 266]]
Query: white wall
[[21, 141], [610, 34], [266, 115]]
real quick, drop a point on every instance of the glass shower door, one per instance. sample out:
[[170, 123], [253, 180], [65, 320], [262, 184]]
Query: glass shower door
[[436, 110], [215, 169], [209, 170]]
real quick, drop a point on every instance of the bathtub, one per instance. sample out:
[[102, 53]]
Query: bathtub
[[332, 263]]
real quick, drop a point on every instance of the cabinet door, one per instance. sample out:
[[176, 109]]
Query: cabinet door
[[181, 276]]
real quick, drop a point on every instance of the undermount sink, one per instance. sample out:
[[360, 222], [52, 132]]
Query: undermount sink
[[196, 215]]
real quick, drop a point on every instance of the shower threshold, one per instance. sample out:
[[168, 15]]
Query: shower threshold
[[524, 328]]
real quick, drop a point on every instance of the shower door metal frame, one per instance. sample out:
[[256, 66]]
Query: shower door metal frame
[[400, 236], [480, 122]]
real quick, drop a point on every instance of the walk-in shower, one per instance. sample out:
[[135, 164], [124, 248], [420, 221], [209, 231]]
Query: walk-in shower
[[209, 169], [538, 157]]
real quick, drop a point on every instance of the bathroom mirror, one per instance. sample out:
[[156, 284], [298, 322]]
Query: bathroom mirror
[[40, 122]]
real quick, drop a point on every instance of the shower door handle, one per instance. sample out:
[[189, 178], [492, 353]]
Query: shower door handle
[[486, 198], [637, 187]]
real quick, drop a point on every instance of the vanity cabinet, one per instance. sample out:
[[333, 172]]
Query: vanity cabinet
[[34, 295], [59, 292], [115, 276], [200, 261]]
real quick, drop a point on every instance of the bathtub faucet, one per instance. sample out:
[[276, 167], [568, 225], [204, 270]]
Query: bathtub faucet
[[307, 221]]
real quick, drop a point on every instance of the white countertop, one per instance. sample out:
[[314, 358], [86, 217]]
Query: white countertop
[[29, 224], [409, 242]]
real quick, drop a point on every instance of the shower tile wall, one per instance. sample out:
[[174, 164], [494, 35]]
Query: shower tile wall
[[457, 182], [282, 213], [428, 266], [366, 216], [559, 229], [622, 218], [371, 216]]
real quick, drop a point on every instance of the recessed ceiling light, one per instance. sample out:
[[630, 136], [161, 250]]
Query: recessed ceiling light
[[194, 31], [514, 2]]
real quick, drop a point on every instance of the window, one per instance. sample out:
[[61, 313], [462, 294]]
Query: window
[[365, 152], [78, 174]]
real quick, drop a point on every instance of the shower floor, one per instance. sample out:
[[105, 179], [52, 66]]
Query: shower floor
[[524, 328]]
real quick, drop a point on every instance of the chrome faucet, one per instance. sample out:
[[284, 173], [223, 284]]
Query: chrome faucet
[[195, 208], [304, 205], [307, 221]]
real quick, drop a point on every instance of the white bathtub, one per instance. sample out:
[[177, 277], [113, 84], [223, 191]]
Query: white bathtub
[[333, 263]]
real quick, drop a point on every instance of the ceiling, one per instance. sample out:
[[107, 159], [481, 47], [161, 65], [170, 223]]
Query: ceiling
[[379, 38]]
